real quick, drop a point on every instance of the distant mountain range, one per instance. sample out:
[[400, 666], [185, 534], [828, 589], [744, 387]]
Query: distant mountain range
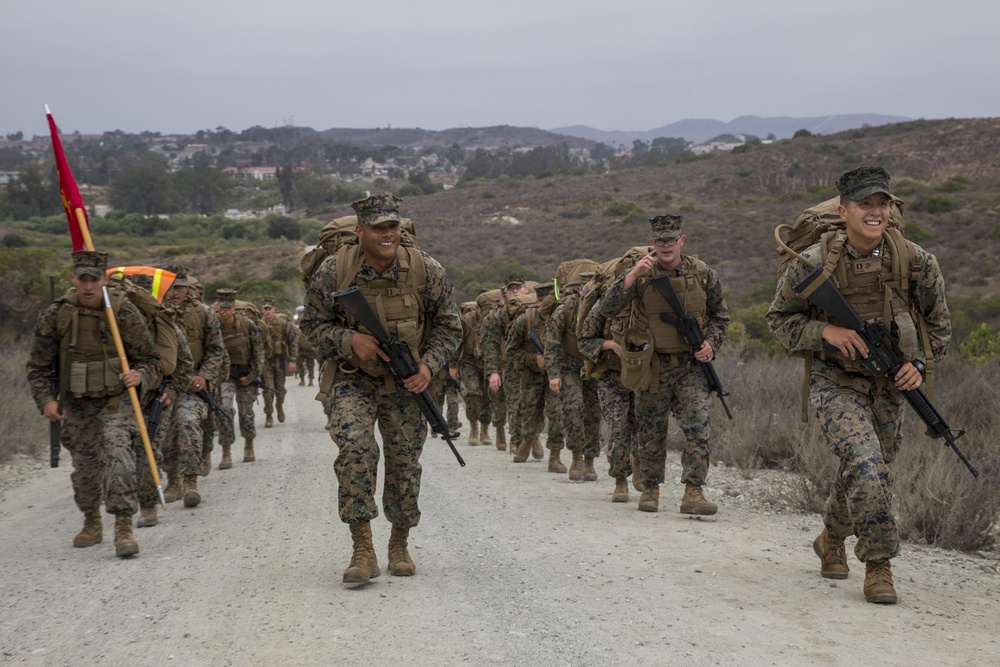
[[700, 130]]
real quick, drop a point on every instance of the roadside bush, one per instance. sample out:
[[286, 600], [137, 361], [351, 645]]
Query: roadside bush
[[622, 209]]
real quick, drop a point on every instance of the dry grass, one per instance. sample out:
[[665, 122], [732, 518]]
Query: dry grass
[[24, 430]]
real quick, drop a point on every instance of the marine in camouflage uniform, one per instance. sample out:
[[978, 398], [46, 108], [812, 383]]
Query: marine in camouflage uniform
[[176, 386], [362, 392], [861, 415], [617, 400], [528, 367], [580, 402], [245, 349], [305, 362], [185, 456], [491, 330], [283, 346], [98, 420], [469, 367], [666, 373]]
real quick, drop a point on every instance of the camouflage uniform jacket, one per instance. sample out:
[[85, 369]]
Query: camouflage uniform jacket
[[792, 322], [558, 363], [322, 320], [520, 352], [136, 339], [491, 341], [213, 351], [618, 298], [181, 377]]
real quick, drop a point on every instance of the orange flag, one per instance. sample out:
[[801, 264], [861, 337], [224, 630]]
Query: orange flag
[[71, 199]]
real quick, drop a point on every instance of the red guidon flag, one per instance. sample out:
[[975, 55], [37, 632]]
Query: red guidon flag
[[71, 199]]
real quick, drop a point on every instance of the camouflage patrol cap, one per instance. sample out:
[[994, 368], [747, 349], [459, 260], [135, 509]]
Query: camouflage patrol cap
[[544, 289], [180, 275], [666, 226], [226, 297], [267, 302], [513, 279], [862, 182], [377, 208], [90, 263]]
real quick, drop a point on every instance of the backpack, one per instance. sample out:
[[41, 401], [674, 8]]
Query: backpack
[[569, 273], [809, 228], [250, 311], [159, 319], [607, 273], [340, 232]]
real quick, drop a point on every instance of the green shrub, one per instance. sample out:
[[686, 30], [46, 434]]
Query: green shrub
[[955, 183], [940, 204]]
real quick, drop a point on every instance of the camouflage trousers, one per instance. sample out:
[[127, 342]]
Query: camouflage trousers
[[511, 388], [861, 423], [358, 402], [245, 397], [451, 399], [682, 391], [618, 409], [101, 444], [531, 407], [182, 451], [147, 494], [274, 377], [553, 415], [305, 363], [475, 390], [581, 414]]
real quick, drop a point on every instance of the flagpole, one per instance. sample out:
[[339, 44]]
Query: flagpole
[[88, 244]]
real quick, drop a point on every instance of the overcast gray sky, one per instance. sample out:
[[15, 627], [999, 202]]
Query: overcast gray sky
[[185, 65]]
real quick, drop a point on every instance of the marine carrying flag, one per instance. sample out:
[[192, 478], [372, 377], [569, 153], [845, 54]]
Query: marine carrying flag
[[71, 199]]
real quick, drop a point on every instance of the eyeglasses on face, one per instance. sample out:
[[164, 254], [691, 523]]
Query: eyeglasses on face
[[666, 243]]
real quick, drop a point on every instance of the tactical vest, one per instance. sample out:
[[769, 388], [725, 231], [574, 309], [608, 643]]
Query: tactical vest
[[878, 288], [236, 340], [399, 304], [193, 322], [690, 289], [277, 346], [85, 340]]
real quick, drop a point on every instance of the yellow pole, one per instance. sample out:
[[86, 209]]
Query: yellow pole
[[120, 349]]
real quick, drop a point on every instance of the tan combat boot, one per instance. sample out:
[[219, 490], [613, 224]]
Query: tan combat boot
[[555, 463], [302, 382], [589, 474], [191, 496], [281, 414], [364, 563], [649, 499], [400, 563], [636, 482], [174, 488], [694, 502], [576, 467], [248, 456], [227, 459], [833, 556], [878, 583], [620, 494], [484, 434], [501, 439], [536, 448], [125, 544], [473, 434], [206, 462], [93, 530], [147, 517], [310, 382], [523, 450], [268, 421]]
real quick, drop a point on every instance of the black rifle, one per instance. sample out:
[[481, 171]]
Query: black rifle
[[213, 405], [884, 355], [155, 413], [237, 372], [689, 330], [54, 427], [401, 363], [536, 341]]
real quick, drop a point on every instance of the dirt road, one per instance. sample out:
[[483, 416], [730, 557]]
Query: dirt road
[[515, 566]]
